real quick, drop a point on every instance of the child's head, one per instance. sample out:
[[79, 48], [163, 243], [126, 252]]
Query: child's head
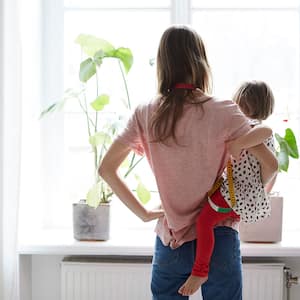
[[255, 99], [181, 58]]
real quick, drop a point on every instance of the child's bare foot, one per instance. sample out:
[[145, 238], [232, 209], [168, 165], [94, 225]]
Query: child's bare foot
[[191, 285]]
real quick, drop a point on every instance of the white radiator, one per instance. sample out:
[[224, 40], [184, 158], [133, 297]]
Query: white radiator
[[103, 280], [264, 281]]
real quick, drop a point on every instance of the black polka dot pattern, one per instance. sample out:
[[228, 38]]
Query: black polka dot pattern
[[252, 203]]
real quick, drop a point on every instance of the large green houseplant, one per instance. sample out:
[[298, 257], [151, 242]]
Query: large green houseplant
[[100, 132]]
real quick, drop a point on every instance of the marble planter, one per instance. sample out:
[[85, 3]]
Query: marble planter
[[91, 223], [268, 230]]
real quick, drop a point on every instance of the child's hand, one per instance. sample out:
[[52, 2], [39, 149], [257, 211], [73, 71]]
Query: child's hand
[[153, 214], [234, 148]]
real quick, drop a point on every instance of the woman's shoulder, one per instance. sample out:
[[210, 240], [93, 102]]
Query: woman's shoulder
[[145, 108], [222, 103], [221, 106]]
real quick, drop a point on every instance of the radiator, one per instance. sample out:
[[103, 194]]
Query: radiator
[[264, 281], [107, 279]]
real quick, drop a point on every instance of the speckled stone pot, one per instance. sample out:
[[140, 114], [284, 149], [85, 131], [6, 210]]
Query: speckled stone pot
[[91, 223]]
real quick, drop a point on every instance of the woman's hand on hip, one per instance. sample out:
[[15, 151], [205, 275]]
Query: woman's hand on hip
[[153, 214]]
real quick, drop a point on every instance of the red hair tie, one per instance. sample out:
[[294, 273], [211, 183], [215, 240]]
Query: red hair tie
[[186, 86]]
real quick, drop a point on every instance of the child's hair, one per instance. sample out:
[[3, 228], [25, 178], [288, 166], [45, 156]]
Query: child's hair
[[255, 99], [181, 58]]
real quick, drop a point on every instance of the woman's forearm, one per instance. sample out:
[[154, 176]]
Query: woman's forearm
[[121, 190], [108, 170], [257, 135], [254, 137]]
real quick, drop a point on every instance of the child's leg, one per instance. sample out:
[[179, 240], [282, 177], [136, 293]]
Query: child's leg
[[206, 222]]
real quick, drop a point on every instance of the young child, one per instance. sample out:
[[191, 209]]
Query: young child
[[240, 192]]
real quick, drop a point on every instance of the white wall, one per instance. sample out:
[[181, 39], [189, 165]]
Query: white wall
[[1, 145]]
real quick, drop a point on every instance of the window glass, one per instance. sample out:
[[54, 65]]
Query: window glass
[[139, 30], [117, 3], [267, 49], [243, 41], [240, 49], [244, 4]]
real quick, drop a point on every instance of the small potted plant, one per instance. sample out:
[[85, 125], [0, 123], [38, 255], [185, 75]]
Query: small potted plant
[[91, 216], [270, 229]]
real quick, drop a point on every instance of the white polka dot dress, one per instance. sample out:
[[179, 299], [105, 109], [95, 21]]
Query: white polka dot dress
[[252, 203]]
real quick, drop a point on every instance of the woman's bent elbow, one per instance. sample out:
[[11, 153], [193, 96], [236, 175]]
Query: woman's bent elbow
[[102, 170]]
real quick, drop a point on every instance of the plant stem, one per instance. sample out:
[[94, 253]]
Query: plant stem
[[132, 160], [97, 93], [132, 167], [125, 84], [87, 114], [95, 149]]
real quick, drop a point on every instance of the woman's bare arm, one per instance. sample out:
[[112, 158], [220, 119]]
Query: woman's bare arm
[[108, 170], [255, 136]]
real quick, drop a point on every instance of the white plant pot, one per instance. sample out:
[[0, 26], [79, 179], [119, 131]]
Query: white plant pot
[[91, 223], [268, 230]]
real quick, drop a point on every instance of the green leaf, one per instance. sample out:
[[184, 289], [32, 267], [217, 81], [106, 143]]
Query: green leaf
[[124, 55], [59, 105], [93, 197], [279, 138], [87, 70], [98, 57], [283, 157], [143, 193], [52, 108], [100, 138], [91, 44], [151, 62], [292, 144], [100, 102]]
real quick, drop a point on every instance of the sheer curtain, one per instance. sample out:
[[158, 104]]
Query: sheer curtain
[[10, 143]]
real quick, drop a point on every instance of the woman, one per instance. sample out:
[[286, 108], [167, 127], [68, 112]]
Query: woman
[[182, 132]]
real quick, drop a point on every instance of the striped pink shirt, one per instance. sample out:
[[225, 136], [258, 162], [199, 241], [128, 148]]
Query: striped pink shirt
[[184, 173]]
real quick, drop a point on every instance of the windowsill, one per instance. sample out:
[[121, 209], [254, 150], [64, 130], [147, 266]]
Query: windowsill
[[138, 243]]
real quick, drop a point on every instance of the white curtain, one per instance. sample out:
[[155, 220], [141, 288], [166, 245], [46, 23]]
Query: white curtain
[[10, 146]]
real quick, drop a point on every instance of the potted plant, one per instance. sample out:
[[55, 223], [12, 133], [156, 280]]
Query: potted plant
[[270, 229], [91, 216]]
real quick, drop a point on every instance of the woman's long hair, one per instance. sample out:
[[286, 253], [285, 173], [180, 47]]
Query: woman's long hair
[[181, 58]]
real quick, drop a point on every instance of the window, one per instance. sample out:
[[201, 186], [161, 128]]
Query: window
[[245, 40], [257, 40]]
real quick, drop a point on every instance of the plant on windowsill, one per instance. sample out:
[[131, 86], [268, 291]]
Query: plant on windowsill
[[270, 229], [287, 148], [91, 216]]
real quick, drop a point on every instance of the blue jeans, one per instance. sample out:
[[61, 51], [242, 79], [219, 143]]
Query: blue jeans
[[170, 268]]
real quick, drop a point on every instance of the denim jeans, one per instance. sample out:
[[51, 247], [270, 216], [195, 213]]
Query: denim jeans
[[170, 268]]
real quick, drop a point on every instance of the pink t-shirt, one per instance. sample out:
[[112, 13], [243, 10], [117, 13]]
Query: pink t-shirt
[[185, 172]]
